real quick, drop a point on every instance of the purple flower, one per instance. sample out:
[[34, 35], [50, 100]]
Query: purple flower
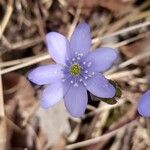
[[144, 104], [77, 70]]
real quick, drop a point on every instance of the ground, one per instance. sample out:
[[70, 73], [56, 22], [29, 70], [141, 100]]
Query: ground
[[113, 125]]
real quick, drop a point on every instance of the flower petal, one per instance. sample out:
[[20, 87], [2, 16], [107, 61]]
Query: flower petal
[[101, 59], [144, 105], [52, 94], [76, 100], [58, 47], [81, 39], [100, 86], [46, 74]]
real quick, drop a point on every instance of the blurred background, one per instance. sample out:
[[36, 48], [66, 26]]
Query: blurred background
[[113, 125]]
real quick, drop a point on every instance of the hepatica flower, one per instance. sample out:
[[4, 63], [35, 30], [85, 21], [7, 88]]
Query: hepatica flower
[[78, 69], [144, 104]]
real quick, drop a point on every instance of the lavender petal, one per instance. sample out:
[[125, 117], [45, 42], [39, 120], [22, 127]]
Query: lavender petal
[[52, 94], [144, 104], [58, 47], [101, 59], [76, 100], [81, 39], [99, 86], [46, 74]]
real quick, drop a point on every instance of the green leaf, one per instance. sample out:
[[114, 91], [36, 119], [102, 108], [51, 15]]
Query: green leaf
[[118, 90], [110, 101]]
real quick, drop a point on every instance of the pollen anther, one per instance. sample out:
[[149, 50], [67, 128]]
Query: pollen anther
[[75, 69]]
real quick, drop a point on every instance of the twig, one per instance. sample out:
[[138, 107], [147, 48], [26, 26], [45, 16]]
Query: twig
[[131, 28], [134, 15], [2, 118], [128, 41], [98, 139], [75, 21], [2, 111], [31, 62], [14, 126], [141, 15], [123, 74], [74, 135], [118, 140], [117, 45], [46, 56], [40, 21], [99, 121], [22, 44], [25, 122], [99, 110], [102, 31], [16, 62], [3, 135], [148, 131], [9, 10], [134, 59]]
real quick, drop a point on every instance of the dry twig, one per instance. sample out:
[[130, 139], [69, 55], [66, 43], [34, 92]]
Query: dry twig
[[9, 10], [97, 139]]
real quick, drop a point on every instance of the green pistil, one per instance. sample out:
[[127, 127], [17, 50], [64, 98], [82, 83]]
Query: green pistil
[[75, 70]]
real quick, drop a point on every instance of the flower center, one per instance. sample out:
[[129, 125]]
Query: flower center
[[75, 69]]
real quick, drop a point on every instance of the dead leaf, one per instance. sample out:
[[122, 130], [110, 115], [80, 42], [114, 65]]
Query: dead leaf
[[136, 48], [54, 122], [116, 6], [20, 100]]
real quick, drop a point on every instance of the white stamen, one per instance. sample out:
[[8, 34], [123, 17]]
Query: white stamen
[[81, 54], [73, 59], [81, 80], [85, 77], [86, 71], [89, 64], [93, 73], [76, 85], [71, 81], [84, 63], [85, 84], [78, 58], [90, 75], [63, 80]]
